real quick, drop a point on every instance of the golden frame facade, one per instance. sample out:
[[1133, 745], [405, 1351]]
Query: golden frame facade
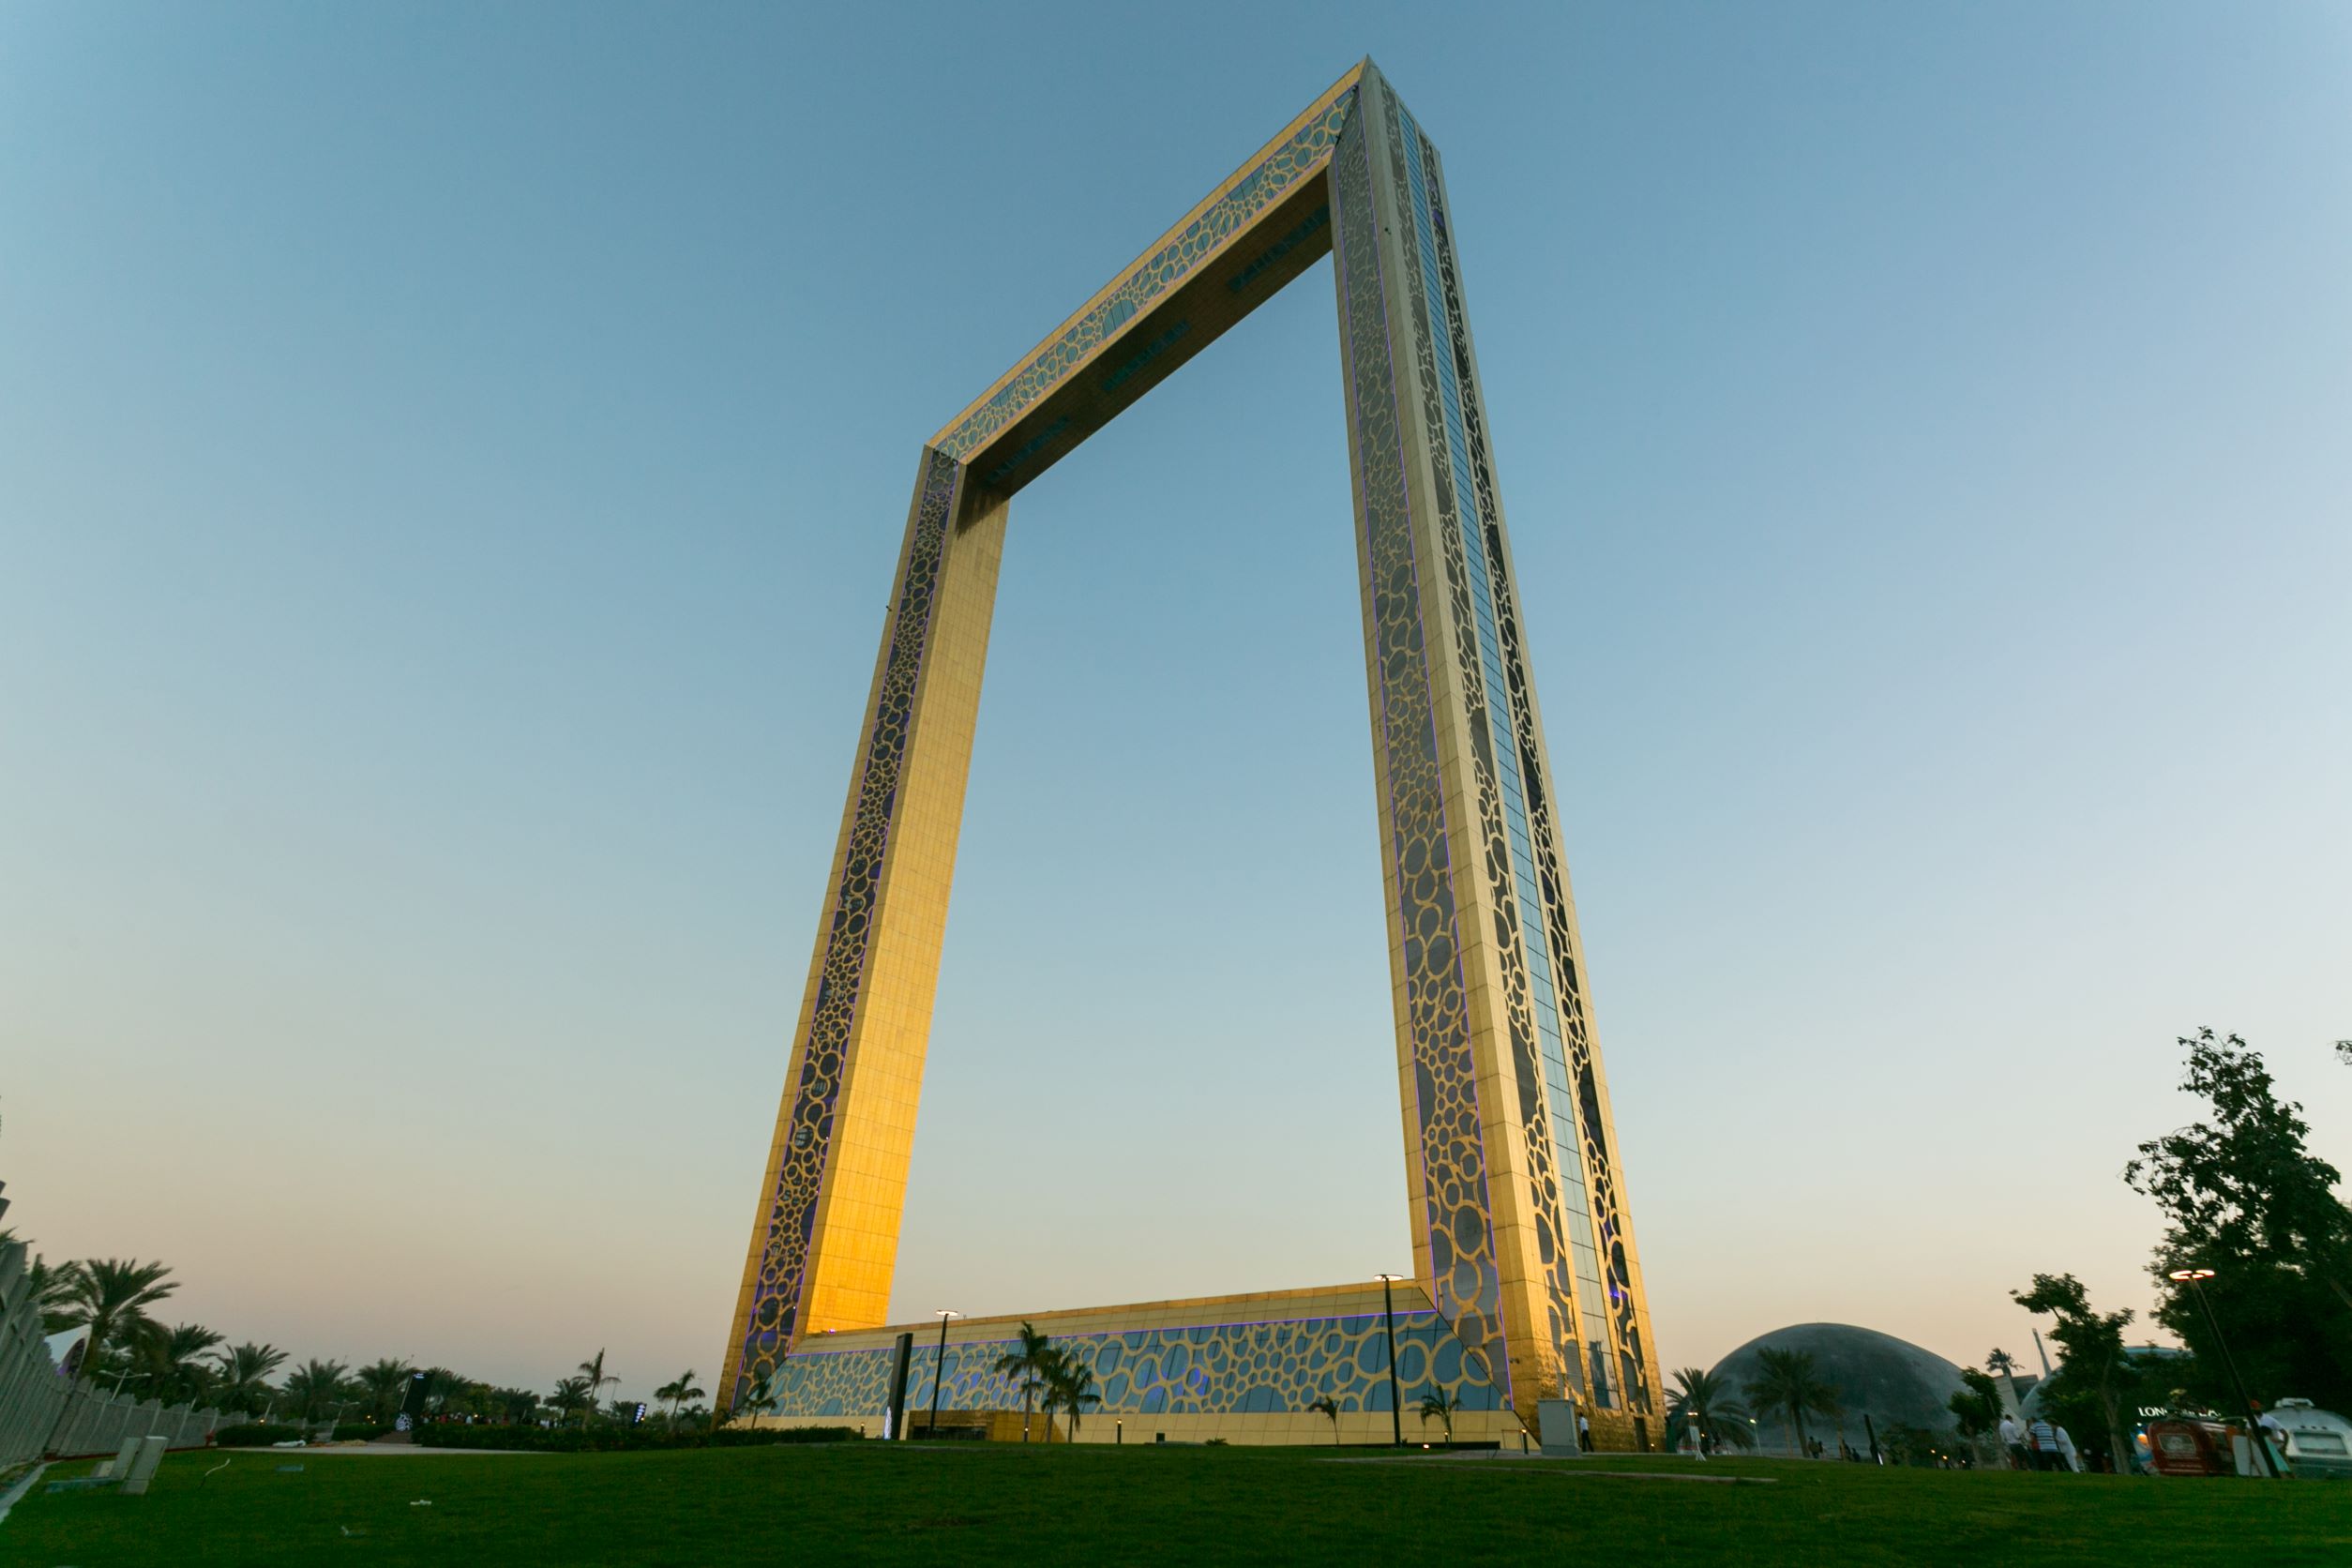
[[1519, 1224]]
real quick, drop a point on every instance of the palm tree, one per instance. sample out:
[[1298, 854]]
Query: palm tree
[[2004, 1365], [1786, 1384], [243, 1373], [1329, 1407], [448, 1392], [678, 1392], [1702, 1399], [1070, 1383], [592, 1371], [387, 1383], [316, 1386], [1025, 1364], [167, 1365], [51, 1290], [113, 1295], [1439, 1404], [760, 1398], [518, 1405], [571, 1395]]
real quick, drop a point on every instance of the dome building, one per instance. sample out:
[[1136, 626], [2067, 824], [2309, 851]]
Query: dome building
[[1893, 1382]]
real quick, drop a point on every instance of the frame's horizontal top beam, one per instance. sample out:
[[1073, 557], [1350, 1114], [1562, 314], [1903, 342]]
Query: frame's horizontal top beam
[[1268, 208]]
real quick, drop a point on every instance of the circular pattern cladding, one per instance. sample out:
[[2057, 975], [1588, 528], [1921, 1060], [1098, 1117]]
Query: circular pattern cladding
[[817, 1083], [1228, 1368]]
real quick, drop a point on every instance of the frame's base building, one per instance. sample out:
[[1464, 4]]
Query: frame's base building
[[1528, 1286], [1242, 1368]]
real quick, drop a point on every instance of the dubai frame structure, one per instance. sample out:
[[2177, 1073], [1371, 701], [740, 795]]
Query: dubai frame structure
[[1526, 1285]]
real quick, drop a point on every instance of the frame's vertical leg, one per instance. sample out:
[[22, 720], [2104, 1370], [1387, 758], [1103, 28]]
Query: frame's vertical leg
[[825, 1237], [1443, 1055], [1517, 1211]]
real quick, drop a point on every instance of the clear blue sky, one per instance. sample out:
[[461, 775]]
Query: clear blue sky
[[451, 463]]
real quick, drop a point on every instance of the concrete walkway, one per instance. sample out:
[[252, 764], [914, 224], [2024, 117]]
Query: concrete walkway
[[16, 1494]]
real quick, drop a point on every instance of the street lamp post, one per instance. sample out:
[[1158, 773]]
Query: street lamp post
[[2195, 1279], [1395, 1400], [939, 1367]]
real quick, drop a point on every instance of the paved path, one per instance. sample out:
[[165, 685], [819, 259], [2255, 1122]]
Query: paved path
[[13, 1495]]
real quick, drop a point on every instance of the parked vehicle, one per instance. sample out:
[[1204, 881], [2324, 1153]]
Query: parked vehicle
[[2319, 1442], [2190, 1448]]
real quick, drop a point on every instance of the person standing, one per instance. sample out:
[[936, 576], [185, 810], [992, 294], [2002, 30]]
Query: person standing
[[2042, 1439], [2013, 1441], [2067, 1456]]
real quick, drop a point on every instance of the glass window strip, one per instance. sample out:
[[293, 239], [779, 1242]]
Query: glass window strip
[[1575, 1196]]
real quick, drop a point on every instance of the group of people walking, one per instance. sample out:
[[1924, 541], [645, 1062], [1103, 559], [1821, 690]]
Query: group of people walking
[[2039, 1444]]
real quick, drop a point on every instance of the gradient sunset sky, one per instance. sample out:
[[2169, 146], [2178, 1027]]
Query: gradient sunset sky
[[452, 460]]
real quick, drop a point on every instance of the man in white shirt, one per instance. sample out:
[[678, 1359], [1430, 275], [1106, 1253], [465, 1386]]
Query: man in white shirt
[[2072, 1460], [2014, 1442]]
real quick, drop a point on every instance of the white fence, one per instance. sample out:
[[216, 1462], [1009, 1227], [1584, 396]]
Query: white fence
[[41, 1413]]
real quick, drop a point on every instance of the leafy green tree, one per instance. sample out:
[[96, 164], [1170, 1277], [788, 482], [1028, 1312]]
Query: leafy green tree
[[1070, 1386], [113, 1295], [1787, 1383], [1906, 1444], [1701, 1395], [243, 1374], [1975, 1409], [316, 1388], [387, 1383], [1439, 1405], [1025, 1365], [2089, 1393], [1327, 1406], [2243, 1193]]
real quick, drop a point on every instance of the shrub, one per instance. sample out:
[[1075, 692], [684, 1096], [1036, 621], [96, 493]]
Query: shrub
[[255, 1434], [760, 1437], [608, 1439], [367, 1431]]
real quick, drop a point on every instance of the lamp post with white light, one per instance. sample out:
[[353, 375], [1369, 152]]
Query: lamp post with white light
[[2195, 1279], [939, 1367], [1395, 1400]]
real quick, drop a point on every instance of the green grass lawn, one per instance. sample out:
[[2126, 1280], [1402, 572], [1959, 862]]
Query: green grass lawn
[[871, 1502]]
